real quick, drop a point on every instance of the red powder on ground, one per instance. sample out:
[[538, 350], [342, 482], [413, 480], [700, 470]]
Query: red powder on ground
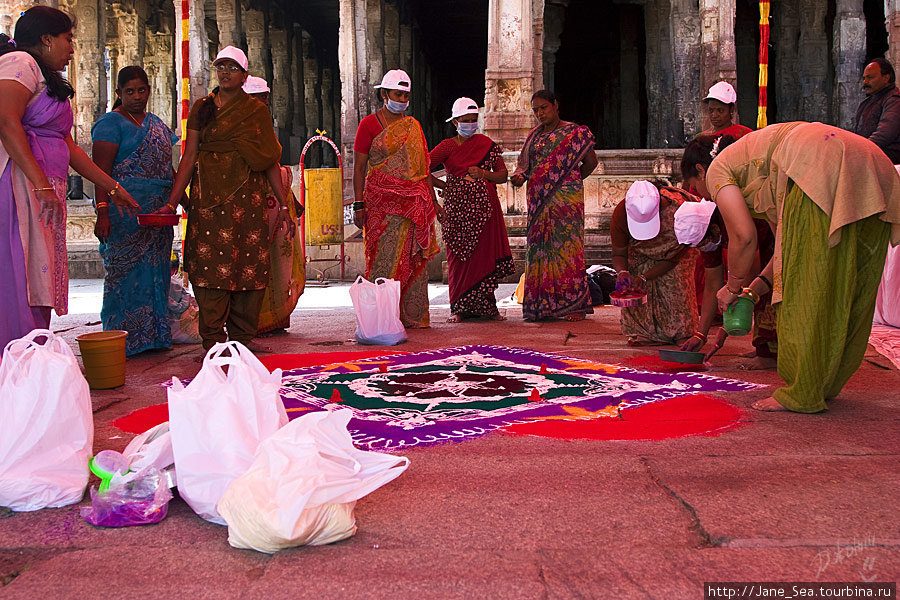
[[652, 362], [697, 414], [143, 419]]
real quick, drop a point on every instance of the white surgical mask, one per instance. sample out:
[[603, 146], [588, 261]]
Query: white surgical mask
[[397, 107], [710, 246], [467, 129]]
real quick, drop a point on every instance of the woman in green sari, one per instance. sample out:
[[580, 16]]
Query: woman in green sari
[[833, 200], [231, 141], [395, 202]]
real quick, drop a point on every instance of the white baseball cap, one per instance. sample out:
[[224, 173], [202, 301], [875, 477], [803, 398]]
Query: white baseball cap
[[463, 106], [723, 92], [642, 210], [255, 85], [232, 53], [692, 221], [395, 79]]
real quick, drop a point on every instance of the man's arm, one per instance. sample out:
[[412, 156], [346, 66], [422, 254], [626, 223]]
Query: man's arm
[[888, 130]]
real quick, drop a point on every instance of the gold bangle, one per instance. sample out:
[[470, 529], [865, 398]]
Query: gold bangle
[[112, 193], [754, 297], [44, 189]]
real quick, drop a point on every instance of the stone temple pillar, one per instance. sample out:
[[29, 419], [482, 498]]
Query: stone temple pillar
[[391, 29], [375, 41], [356, 96], [298, 120], [510, 73], [892, 22], [849, 49], [280, 85], [228, 18], [254, 27], [311, 87], [327, 92], [718, 55], [131, 36], [685, 96], [405, 60], [814, 72], [89, 71], [554, 20]]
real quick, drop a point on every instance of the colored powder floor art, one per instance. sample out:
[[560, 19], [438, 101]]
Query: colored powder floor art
[[425, 398]]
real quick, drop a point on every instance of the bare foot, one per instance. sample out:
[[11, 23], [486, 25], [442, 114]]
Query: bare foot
[[759, 363], [454, 319], [574, 317], [257, 348], [498, 317], [769, 404]]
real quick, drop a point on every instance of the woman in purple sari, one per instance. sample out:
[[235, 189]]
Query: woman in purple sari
[[556, 157], [36, 151]]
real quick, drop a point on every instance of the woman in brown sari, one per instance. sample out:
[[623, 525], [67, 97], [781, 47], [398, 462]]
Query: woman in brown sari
[[395, 202], [226, 249], [478, 254]]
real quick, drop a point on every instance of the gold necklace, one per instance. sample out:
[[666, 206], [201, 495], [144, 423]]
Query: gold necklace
[[131, 116]]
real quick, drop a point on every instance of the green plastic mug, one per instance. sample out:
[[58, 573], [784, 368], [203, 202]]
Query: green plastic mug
[[738, 318]]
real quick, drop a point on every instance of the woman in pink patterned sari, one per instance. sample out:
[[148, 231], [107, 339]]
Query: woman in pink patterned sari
[[556, 157], [36, 151]]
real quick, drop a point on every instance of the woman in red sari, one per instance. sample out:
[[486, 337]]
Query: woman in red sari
[[478, 254], [395, 202]]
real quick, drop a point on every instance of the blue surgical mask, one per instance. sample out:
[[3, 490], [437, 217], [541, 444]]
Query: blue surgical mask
[[467, 129], [397, 107]]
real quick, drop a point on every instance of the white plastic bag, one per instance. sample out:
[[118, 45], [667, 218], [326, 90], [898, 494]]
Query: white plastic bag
[[303, 485], [217, 422], [153, 448], [46, 424], [377, 307]]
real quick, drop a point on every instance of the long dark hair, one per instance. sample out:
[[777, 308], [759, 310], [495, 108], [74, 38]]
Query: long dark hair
[[35, 22], [700, 152], [125, 75]]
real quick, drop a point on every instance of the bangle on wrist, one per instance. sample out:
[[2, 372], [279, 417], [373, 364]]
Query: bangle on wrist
[[619, 273], [700, 336], [43, 189], [754, 297], [359, 205], [102, 204], [765, 280], [112, 193]]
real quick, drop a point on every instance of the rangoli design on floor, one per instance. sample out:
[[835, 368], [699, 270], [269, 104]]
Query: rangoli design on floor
[[431, 397]]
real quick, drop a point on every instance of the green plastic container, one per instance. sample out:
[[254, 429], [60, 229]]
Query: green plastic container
[[738, 319]]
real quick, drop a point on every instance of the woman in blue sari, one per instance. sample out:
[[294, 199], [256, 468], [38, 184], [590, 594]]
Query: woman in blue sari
[[135, 147]]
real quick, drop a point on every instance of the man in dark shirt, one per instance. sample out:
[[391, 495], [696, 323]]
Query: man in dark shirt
[[878, 116]]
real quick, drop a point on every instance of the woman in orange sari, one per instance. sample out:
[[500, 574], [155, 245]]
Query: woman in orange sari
[[395, 201]]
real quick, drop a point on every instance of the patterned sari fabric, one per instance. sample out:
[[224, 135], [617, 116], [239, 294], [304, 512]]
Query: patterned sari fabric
[[287, 274], [670, 314], [478, 253], [399, 230], [555, 279], [33, 258], [227, 243], [137, 259]]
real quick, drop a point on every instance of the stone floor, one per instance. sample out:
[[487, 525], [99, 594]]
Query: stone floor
[[785, 498]]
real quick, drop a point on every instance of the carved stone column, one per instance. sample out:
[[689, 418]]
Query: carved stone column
[[327, 93], [163, 81], [356, 97], [685, 25], [510, 73], [892, 22], [228, 18], [405, 61], [298, 122], [254, 27], [375, 41], [815, 75], [88, 70], [311, 88], [849, 53], [554, 20], [785, 80], [280, 85], [391, 28], [718, 55], [130, 36]]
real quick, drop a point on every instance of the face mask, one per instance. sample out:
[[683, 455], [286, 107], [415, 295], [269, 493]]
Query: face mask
[[710, 246], [397, 107], [467, 129]]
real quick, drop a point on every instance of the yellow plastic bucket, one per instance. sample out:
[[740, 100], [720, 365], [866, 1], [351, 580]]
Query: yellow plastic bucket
[[103, 355]]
